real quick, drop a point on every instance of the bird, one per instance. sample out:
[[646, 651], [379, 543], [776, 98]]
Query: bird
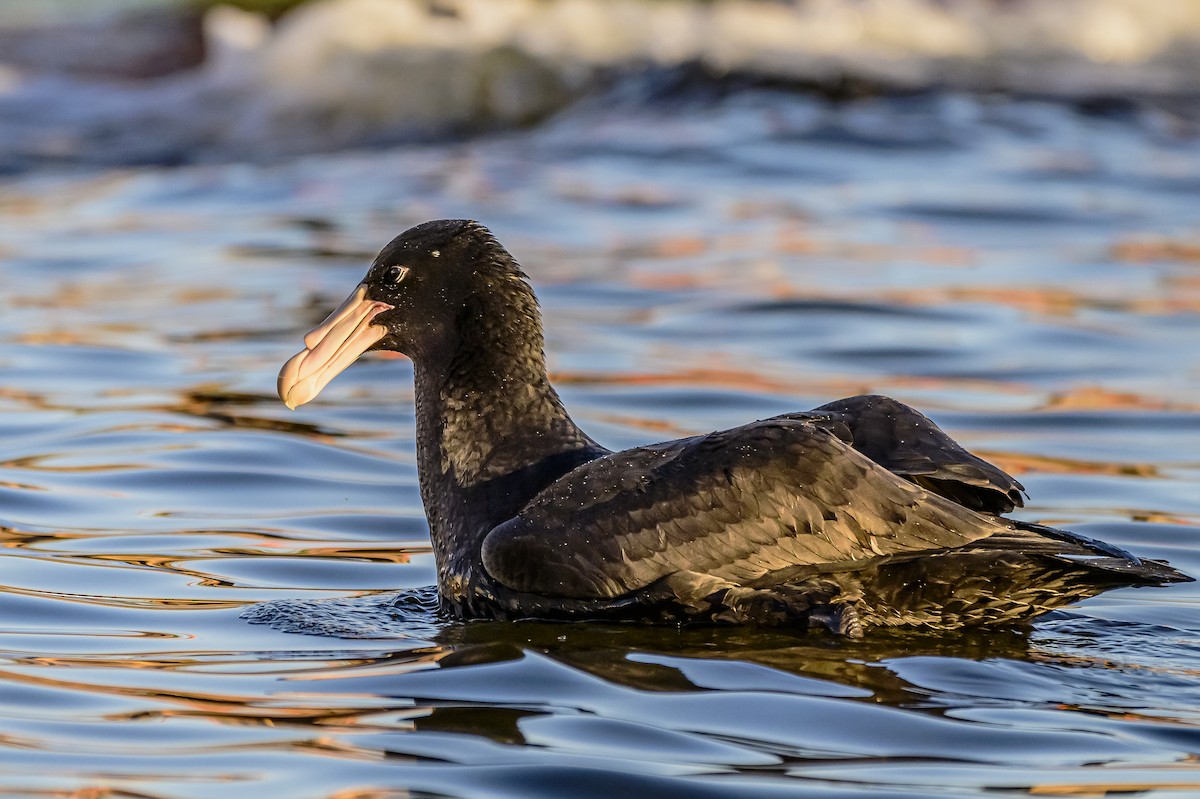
[[856, 515]]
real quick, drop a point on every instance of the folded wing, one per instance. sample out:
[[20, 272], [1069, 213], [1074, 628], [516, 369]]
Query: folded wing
[[748, 506], [908, 443]]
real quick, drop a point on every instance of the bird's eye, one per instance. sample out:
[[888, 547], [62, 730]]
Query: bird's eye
[[395, 274]]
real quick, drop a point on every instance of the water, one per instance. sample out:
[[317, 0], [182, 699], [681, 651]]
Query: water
[[1024, 271]]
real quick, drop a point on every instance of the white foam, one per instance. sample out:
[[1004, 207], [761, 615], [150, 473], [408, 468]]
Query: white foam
[[339, 72], [352, 66]]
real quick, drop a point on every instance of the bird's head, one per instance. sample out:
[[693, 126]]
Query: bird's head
[[427, 289]]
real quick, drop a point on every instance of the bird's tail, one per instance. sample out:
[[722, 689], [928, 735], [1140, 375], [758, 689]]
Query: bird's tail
[[1091, 554]]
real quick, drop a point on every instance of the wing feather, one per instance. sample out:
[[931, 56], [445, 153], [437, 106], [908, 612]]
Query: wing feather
[[905, 441], [738, 505]]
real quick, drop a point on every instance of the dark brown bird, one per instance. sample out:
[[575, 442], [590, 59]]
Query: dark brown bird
[[860, 513]]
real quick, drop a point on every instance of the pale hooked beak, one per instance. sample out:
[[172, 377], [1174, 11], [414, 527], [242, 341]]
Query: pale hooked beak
[[331, 347]]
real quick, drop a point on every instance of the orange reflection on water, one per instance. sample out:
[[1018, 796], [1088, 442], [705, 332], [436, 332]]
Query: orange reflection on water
[[282, 709], [1022, 463], [1099, 398], [1146, 250]]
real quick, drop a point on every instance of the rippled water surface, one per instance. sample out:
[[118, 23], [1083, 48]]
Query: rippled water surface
[[1027, 274]]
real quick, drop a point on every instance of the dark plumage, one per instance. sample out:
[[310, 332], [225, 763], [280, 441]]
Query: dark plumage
[[857, 514]]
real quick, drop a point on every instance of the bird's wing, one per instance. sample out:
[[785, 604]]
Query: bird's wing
[[908, 443], [743, 506]]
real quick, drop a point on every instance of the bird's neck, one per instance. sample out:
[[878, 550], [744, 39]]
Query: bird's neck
[[491, 433]]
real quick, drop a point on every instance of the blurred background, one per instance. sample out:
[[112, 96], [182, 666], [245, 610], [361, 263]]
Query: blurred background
[[989, 209], [181, 81]]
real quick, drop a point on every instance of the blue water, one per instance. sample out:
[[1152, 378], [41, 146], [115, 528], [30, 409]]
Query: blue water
[[1026, 273]]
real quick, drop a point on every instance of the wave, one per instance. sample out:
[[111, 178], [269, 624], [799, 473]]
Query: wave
[[338, 73]]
